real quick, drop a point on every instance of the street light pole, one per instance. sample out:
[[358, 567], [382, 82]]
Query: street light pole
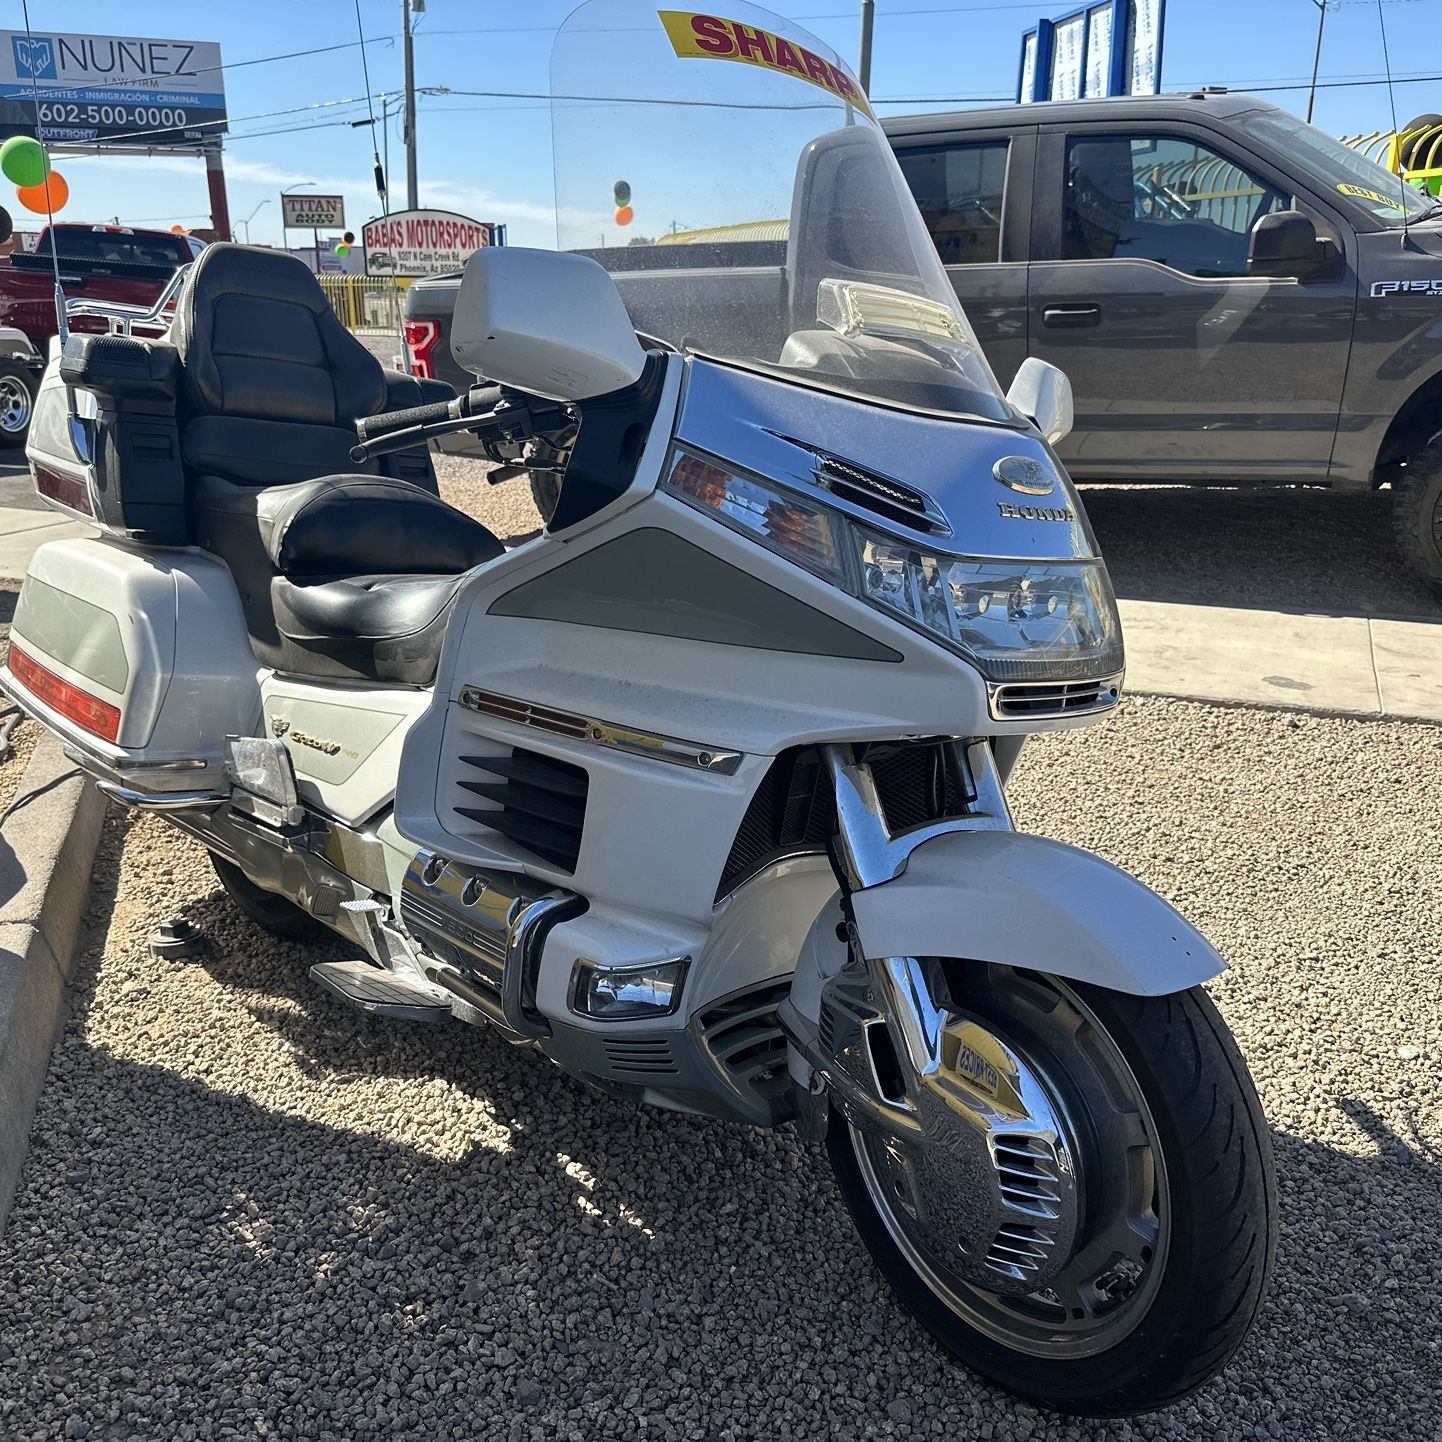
[[1317, 58], [868, 20], [315, 236], [246, 222], [410, 63]]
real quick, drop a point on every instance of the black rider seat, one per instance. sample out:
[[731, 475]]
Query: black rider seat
[[342, 572]]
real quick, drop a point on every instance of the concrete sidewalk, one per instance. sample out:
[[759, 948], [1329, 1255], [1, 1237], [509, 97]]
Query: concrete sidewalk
[[1352, 665]]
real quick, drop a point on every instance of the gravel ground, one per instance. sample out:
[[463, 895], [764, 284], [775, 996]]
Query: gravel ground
[[250, 1213]]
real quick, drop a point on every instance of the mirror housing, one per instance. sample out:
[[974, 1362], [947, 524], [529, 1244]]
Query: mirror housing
[[1284, 246], [545, 322], [1042, 393]]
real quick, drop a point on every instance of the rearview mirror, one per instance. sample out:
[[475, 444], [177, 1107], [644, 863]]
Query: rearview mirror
[[1284, 247], [1042, 394], [545, 322]]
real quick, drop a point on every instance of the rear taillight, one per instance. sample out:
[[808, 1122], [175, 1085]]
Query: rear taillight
[[65, 489], [421, 339], [98, 717]]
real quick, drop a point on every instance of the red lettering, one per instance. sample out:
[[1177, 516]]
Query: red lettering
[[817, 68], [712, 35], [787, 58], [751, 42], [841, 82]]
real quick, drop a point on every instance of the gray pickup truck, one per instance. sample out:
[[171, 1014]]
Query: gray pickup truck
[[1237, 297]]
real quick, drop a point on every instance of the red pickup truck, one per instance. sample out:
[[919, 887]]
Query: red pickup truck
[[110, 263]]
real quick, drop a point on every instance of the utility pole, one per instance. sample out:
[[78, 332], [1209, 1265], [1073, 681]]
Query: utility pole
[[410, 55], [1317, 58], [868, 19]]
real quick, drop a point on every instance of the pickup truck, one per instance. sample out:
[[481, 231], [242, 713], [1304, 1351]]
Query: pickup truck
[[1237, 297], [97, 263]]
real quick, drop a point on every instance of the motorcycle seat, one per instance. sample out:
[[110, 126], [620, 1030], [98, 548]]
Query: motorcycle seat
[[340, 575], [348, 576]]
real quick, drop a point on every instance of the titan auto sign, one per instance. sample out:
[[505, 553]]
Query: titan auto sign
[[110, 88], [423, 242], [313, 212]]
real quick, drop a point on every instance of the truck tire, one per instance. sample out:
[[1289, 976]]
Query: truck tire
[[17, 402], [1417, 514]]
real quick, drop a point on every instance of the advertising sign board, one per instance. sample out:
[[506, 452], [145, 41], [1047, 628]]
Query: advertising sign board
[[312, 212], [418, 243], [1106, 47], [110, 88]]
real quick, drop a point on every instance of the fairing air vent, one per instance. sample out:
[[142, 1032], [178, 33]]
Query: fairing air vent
[[1021, 700], [880, 494], [538, 802], [743, 1034]]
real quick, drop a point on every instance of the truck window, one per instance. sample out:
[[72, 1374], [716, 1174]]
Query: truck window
[[1161, 198], [958, 189]]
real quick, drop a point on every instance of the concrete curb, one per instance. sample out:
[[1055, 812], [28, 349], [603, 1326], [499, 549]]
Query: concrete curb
[[47, 851]]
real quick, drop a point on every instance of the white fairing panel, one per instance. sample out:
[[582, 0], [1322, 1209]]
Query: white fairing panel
[[1017, 900]]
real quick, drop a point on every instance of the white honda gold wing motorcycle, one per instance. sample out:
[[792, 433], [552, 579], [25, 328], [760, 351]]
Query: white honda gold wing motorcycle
[[701, 792]]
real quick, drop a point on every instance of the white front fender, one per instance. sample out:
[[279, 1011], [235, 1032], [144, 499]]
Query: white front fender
[[1019, 900]]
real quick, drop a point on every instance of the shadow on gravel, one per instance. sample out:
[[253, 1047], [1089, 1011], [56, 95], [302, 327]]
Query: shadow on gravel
[[1280, 549], [184, 1262]]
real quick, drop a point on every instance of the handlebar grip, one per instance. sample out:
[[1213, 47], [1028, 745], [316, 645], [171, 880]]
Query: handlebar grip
[[369, 428]]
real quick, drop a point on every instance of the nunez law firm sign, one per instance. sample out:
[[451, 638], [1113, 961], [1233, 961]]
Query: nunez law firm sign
[[110, 88]]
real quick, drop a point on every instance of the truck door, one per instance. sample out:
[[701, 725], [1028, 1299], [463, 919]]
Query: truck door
[[1183, 367], [974, 193]]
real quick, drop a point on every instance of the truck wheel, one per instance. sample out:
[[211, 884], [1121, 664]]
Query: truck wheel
[[1417, 514], [17, 400]]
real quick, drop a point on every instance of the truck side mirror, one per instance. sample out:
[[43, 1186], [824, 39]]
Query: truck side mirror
[[1042, 394], [545, 322], [1284, 246]]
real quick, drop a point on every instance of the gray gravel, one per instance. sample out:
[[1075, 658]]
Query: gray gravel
[[249, 1213]]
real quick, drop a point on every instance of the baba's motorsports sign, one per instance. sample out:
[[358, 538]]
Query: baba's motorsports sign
[[110, 88], [423, 242]]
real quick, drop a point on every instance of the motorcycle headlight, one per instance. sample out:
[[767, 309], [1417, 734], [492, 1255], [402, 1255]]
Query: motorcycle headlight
[[1013, 620]]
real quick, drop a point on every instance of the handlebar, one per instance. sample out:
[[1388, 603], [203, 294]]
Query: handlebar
[[482, 408]]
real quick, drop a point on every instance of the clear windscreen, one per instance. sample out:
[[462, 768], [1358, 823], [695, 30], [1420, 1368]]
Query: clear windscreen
[[727, 171]]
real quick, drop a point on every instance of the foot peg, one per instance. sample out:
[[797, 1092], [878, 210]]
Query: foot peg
[[379, 993]]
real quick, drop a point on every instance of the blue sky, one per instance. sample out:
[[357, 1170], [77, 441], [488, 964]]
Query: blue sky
[[492, 158]]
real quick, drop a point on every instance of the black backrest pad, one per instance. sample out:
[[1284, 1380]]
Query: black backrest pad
[[258, 339]]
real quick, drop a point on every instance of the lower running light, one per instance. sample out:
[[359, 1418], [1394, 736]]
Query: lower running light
[[98, 717], [626, 993]]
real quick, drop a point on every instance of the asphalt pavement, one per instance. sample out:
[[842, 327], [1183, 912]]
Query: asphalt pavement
[[17, 491]]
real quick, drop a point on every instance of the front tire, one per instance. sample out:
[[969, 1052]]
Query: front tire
[[267, 909], [1417, 514], [1203, 1154]]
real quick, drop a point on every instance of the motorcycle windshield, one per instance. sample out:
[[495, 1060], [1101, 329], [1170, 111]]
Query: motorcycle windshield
[[727, 170]]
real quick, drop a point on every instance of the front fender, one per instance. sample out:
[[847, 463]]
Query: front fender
[[1019, 900]]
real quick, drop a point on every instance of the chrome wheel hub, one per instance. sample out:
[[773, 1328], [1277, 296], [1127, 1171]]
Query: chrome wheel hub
[[1006, 1146], [14, 405]]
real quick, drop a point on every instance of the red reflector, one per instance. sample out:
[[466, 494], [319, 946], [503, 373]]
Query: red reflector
[[421, 338], [65, 489], [98, 717]]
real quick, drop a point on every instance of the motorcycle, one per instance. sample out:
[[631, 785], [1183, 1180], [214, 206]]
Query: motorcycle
[[701, 792]]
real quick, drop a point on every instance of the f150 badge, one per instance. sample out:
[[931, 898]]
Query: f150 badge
[[1406, 287]]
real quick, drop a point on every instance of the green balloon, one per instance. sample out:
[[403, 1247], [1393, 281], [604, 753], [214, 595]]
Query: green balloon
[[342, 250], [23, 161]]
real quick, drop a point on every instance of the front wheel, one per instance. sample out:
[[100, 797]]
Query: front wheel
[[1417, 514], [1123, 1264]]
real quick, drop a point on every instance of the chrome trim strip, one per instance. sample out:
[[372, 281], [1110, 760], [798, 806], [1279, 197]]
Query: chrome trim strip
[[600, 733], [161, 801], [1108, 689]]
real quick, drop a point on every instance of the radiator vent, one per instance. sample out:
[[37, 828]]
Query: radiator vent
[[881, 495], [538, 802], [1024, 699], [643, 1056], [743, 1034]]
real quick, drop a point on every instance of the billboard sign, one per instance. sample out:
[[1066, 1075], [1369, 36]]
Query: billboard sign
[[110, 89], [312, 212], [1107, 47], [418, 243]]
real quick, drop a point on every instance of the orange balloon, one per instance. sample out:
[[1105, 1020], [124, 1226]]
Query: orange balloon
[[47, 197], [625, 215], [177, 230]]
